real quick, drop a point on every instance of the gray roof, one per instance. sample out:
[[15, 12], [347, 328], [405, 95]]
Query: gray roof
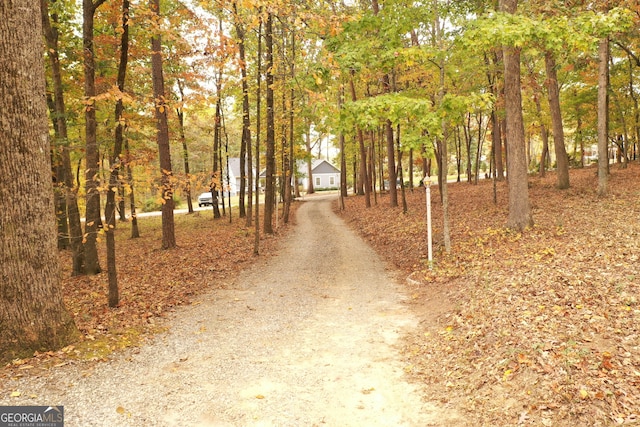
[[323, 166]]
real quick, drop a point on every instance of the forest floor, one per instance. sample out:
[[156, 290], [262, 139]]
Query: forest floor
[[533, 328]]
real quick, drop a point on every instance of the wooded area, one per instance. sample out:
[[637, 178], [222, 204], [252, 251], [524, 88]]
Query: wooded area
[[148, 101]]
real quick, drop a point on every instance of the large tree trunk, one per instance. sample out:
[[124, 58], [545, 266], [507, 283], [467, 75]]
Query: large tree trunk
[[603, 117], [162, 136], [269, 194], [32, 313], [519, 207], [562, 160], [93, 219]]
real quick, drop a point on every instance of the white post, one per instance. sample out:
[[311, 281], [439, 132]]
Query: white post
[[427, 186]]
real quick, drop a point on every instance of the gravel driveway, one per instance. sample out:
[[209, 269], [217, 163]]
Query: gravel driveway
[[306, 338]]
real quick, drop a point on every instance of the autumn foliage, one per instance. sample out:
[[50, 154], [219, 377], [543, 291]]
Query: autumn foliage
[[533, 328]]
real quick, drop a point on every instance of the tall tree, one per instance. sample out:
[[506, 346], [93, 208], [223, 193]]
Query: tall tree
[[93, 219], [603, 117], [270, 193], [60, 118], [519, 207], [185, 148], [364, 174], [115, 163], [32, 313], [162, 134], [256, 240], [553, 92], [245, 144]]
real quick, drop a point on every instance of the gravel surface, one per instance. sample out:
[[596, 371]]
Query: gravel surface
[[309, 337]]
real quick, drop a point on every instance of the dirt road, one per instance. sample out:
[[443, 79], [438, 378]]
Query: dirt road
[[306, 338]]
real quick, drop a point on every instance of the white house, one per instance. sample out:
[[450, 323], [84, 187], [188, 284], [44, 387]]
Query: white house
[[234, 175], [325, 175]]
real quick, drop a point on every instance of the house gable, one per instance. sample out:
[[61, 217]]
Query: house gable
[[322, 166]]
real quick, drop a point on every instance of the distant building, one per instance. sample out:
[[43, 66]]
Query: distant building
[[325, 175], [234, 175]]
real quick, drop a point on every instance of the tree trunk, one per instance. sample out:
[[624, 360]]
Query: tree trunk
[[60, 143], [135, 230], [269, 194], [443, 169], [403, 193], [603, 117], [310, 189], [562, 160], [32, 313], [245, 143], [162, 135], [93, 219], [343, 158], [519, 207], [545, 137], [290, 175], [185, 148], [496, 129], [256, 236], [115, 163], [364, 174]]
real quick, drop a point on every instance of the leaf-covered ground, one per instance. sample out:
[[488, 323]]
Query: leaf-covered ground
[[538, 328], [152, 283]]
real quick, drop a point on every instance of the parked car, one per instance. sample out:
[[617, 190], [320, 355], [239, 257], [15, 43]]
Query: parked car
[[205, 199]]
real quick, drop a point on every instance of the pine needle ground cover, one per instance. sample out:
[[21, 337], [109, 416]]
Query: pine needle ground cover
[[533, 328]]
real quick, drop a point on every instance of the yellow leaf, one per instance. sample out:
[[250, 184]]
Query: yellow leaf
[[259, 396], [584, 393], [120, 410], [16, 394]]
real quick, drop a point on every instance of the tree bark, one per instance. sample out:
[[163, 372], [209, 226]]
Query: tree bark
[[256, 235], [364, 174], [245, 144], [185, 148], [162, 135], [115, 163], [545, 137], [32, 312], [310, 189], [519, 207], [135, 230], [93, 219], [562, 160], [269, 194], [603, 117]]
